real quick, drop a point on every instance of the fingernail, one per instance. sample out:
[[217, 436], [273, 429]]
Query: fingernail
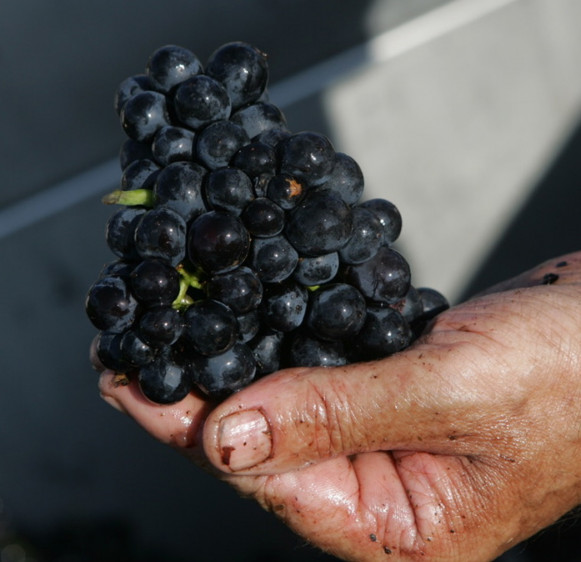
[[244, 440]]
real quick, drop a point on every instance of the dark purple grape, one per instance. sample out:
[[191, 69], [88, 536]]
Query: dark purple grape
[[308, 156], [241, 289], [110, 305], [120, 231], [284, 305], [248, 325], [272, 137], [132, 150], [171, 64], [130, 87], [161, 233], [320, 224], [218, 142], [172, 144], [255, 159], [134, 350], [389, 216], [307, 351], [118, 268], [108, 351], [285, 190], [410, 306], [263, 218], [210, 327], [228, 190], [201, 100], [140, 174], [336, 311], [163, 381], [384, 333], [221, 375], [274, 259], [179, 187], [383, 278], [266, 348], [143, 115], [242, 69], [218, 242], [366, 237], [433, 302], [160, 326], [317, 270], [346, 179], [258, 118], [155, 283]]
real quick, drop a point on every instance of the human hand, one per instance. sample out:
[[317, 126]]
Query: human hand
[[456, 449]]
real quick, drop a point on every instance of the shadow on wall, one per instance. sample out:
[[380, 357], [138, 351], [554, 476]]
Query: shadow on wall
[[547, 225]]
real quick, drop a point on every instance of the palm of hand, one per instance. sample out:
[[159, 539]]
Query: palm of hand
[[452, 450]]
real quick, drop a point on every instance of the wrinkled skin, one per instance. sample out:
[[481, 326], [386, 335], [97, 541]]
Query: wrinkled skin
[[455, 449]]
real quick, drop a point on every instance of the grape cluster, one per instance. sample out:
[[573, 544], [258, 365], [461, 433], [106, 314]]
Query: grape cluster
[[241, 247]]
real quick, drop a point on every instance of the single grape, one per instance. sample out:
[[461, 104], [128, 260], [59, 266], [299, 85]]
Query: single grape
[[266, 348], [130, 87], [143, 115], [179, 187], [201, 100], [433, 302], [159, 326], [284, 305], [383, 278], [217, 242], [155, 283], [384, 333], [241, 289], [120, 232], [274, 259], [172, 144], [248, 325], [317, 270], [161, 233], [320, 224], [132, 150], [108, 351], [285, 190], [140, 174], [308, 351], [218, 142], [308, 156], [228, 190], [389, 217], [263, 218], [345, 179], [163, 381], [336, 311], [110, 305], [171, 64], [259, 118], [221, 375], [255, 159], [366, 237], [210, 327], [134, 350], [242, 69]]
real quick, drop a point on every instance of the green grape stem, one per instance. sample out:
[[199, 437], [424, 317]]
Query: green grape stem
[[130, 198], [187, 280]]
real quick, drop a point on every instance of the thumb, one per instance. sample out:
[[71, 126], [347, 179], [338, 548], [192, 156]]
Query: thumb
[[422, 399]]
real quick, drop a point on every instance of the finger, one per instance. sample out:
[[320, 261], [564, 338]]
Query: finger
[[174, 424], [425, 398]]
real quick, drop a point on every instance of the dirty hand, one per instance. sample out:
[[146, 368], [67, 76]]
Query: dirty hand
[[455, 449]]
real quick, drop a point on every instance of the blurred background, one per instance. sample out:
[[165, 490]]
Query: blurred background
[[464, 113]]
